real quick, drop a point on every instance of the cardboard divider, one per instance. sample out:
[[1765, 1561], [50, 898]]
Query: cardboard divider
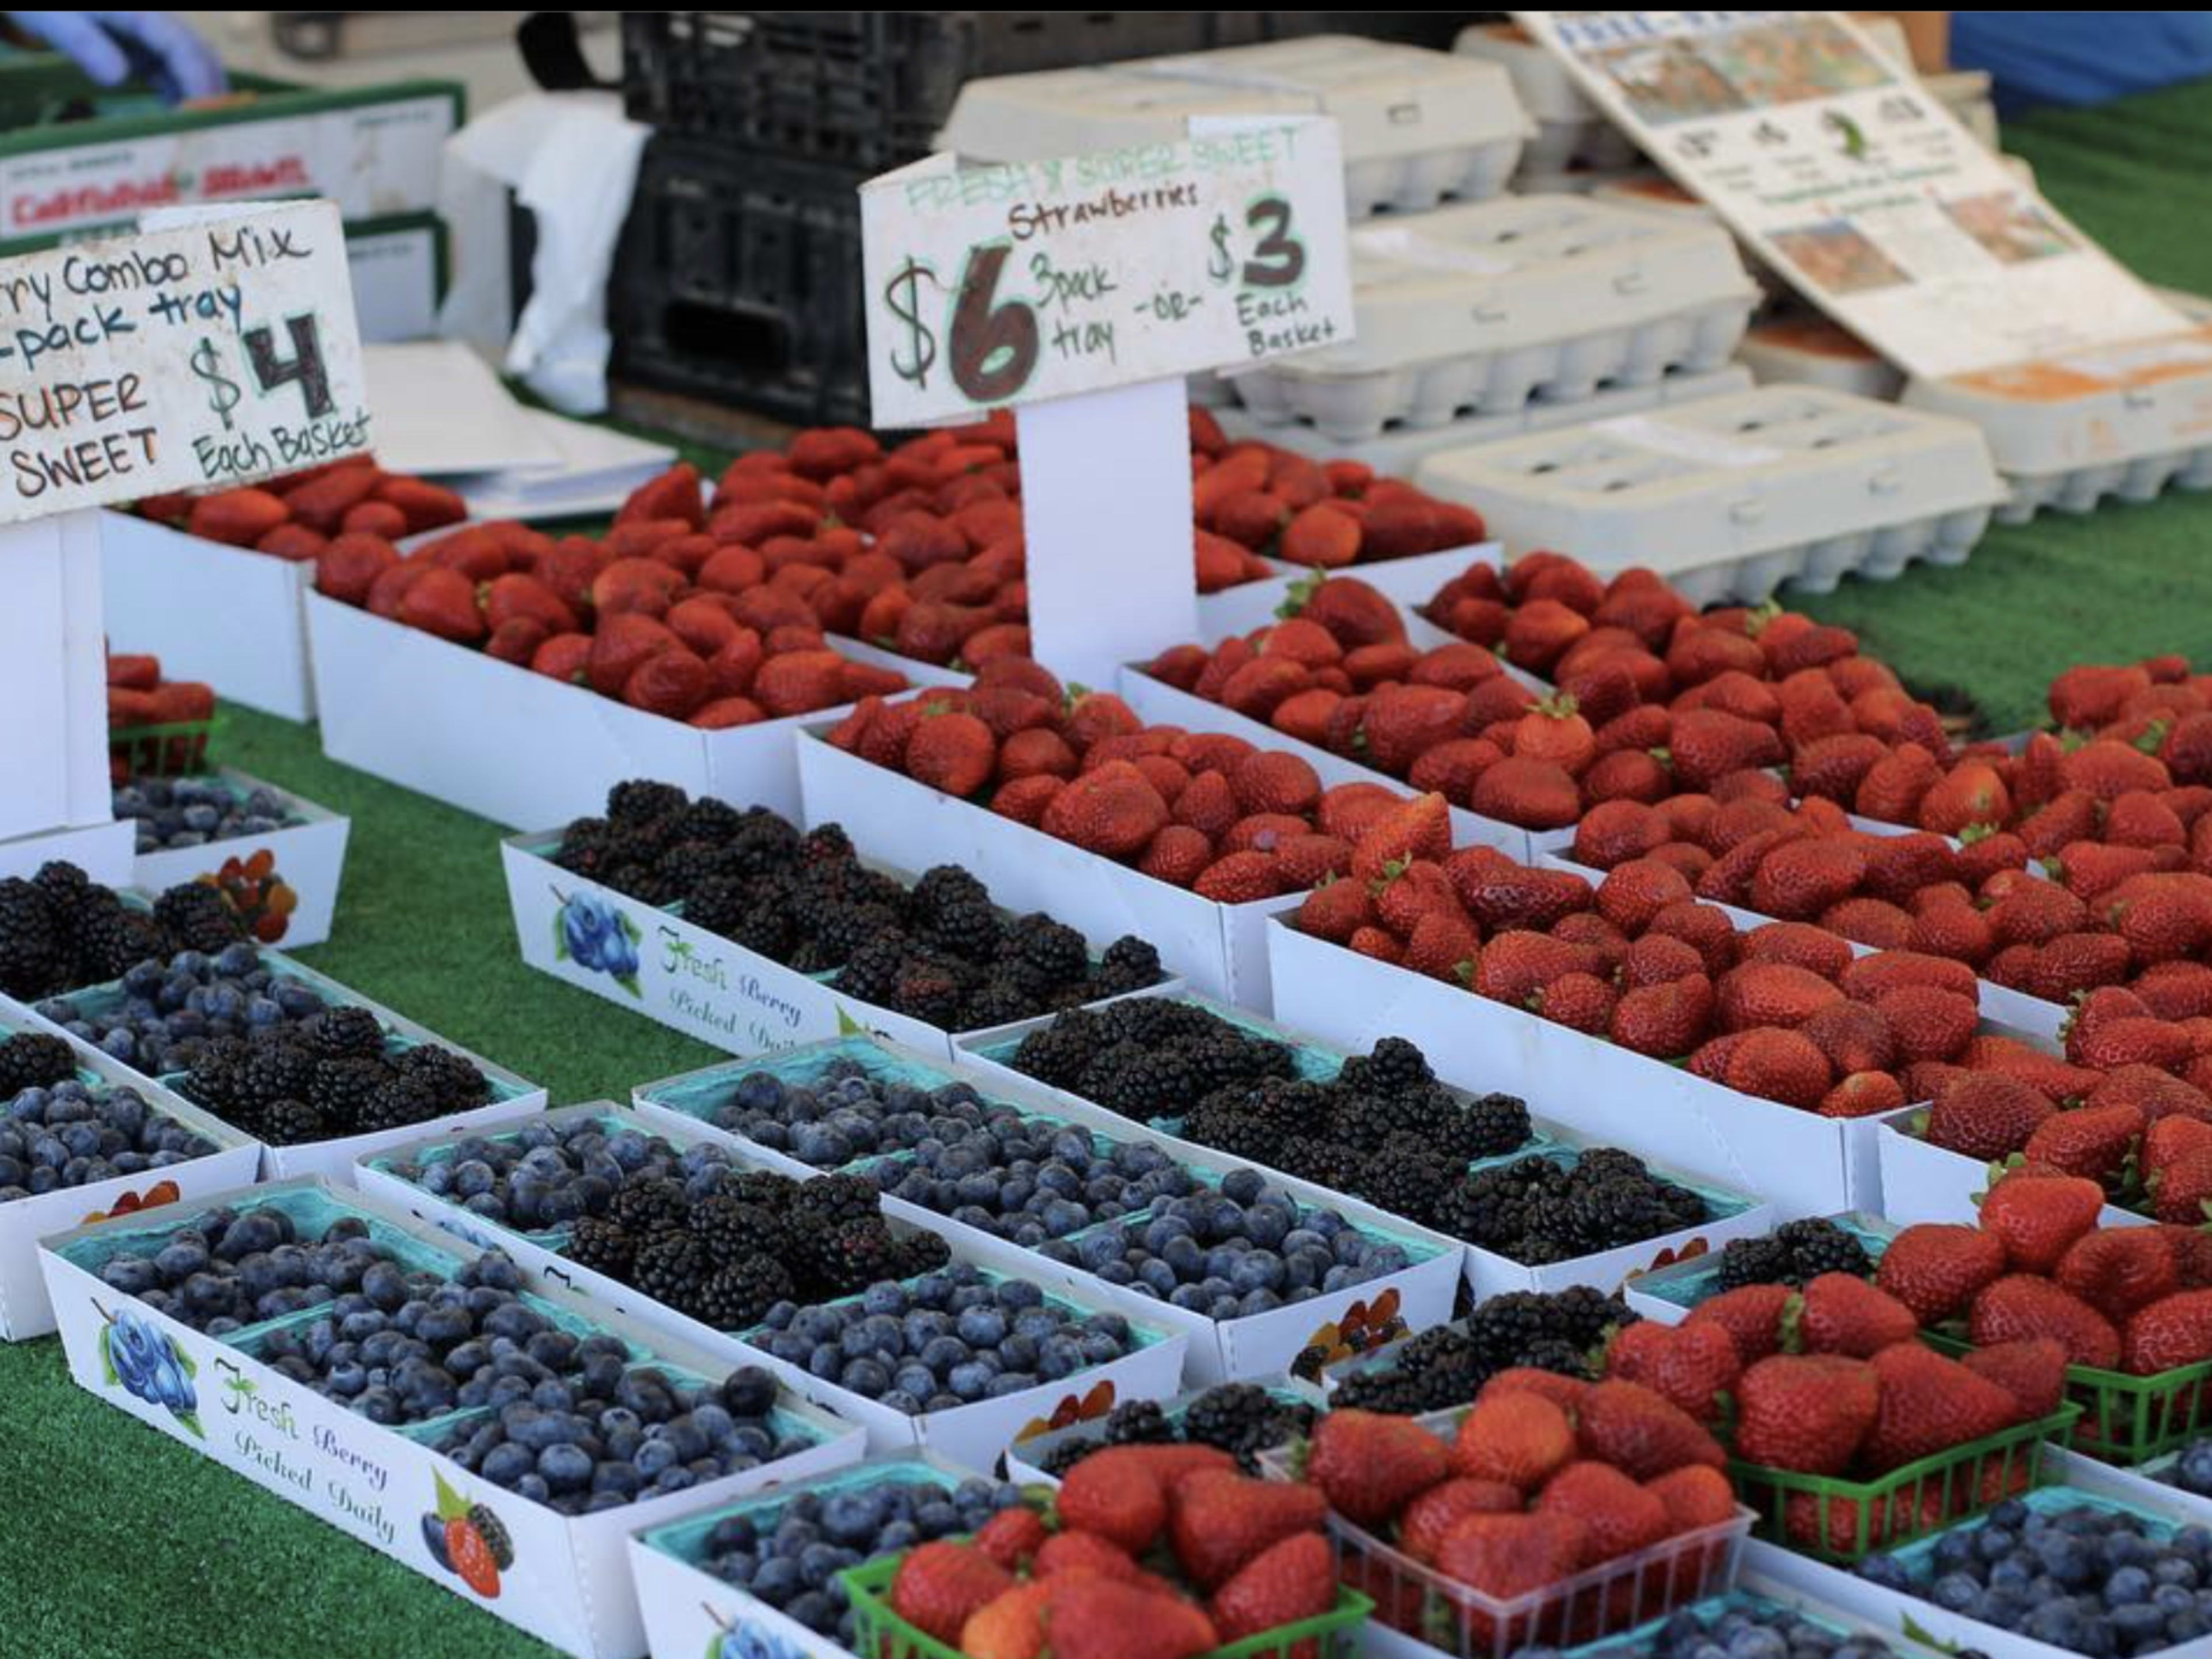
[[333, 1159], [309, 859], [25, 1310], [570, 1580], [1802, 1163], [230, 615], [523, 749], [1159, 703], [1924, 1183], [1332, 1324], [102, 851], [1220, 949], [688, 978], [974, 1434]]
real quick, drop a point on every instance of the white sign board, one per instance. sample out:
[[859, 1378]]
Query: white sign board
[[1851, 180], [986, 286], [208, 353]]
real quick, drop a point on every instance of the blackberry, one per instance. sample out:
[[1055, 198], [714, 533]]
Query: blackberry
[[1139, 1423], [1144, 1083], [997, 1002], [601, 1245], [853, 1256], [66, 887], [1130, 965], [643, 1207], [762, 843], [404, 1101], [771, 1191], [1754, 1261], [217, 1078], [735, 1298], [940, 888], [668, 1267], [1506, 1327], [1406, 1176], [1369, 1120], [345, 1087], [732, 1229], [754, 912], [637, 801], [970, 930], [711, 823], [1059, 1053], [1495, 1124], [1243, 1419], [30, 1059], [841, 930], [458, 1081], [345, 1032], [1554, 1354], [931, 989], [1051, 950], [1392, 1066], [914, 1254], [493, 1531], [291, 1123], [1817, 1246], [1227, 1055], [1327, 1163], [111, 940], [278, 1068], [684, 866], [583, 848], [1070, 1452], [829, 1201], [1441, 1367], [826, 843], [198, 917]]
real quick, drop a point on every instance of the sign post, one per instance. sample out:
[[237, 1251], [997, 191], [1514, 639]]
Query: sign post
[[215, 349], [1080, 292]]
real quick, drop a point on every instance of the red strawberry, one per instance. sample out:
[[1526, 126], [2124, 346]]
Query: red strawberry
[[2038, 1219], [1530, 793], [1240, 879], [2033, 1372], [1863, 1094], [1581, 1002], [1707, 744], [1751, 1315], [1509, 1555], [2021, 1306], [1269, 782], [2121, 1268], [1097, 1618], [1695, 1498], [1928, 1404], [2093, 1141], [1853, 1037], [1429, 1517], [1804, 1413], [1567, 1393], [1519, 1439], [1112, 810], [1287, 1582], [1335, 910], [1633, 893], [1664, 1021], [1772, 994], [1222, 1520], [1416, 829], [1011, 1536], [1985, 1116], [1642, 1434], [2168, 1335], [1371, 1465], [1927, 1024], [1515, 966], [1780, 1066], [1085, 1551], [1938, 1268], [1617, 1515], [1693, 1365], [1800, 879], [1842, 1314], [942, 1584]]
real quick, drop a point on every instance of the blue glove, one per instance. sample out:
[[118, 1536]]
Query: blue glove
[[111, 46]]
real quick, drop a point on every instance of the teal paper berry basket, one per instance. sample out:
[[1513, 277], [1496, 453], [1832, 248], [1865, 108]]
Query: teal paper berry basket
[[2127, 1419], [880, 1633], [1835, 1520]]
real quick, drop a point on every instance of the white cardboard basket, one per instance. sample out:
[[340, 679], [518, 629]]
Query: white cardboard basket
[[310, 858]]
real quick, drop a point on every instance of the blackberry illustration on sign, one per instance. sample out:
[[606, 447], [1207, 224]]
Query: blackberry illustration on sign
[[213, 346], [1080, 292], [1849, 178]]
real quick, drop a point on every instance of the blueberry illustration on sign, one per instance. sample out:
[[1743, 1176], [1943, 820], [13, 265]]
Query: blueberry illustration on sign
[[595, 936], [749, 1641], [145, 1363]]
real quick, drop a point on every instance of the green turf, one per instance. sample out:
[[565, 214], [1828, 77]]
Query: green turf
[[116, 1543]]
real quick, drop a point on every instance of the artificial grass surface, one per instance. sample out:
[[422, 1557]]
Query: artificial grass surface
[[117, 1543]]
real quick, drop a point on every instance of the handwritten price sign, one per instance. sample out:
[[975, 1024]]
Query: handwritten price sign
[[1013, 284], [214, 351]]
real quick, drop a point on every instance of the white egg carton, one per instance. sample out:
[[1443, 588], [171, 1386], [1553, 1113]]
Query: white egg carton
[[2066, 432], [1731, 497], [1570, 129], [1418, 127], [1805, 349], [1482, 307], [1401, 449]]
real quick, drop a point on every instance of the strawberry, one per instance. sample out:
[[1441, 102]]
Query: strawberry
[[1804, 1413], [1335, 910], [1842, 1314], [1112, 811], [2168, 1334], [1289, 1581], [1400, 723], [2118, 1043], [1239, 879], [1376, 943], [2033, 1372], [942, 1584], [1269, 781], [1657, 959], [1928, 1023], [1097, 1618], [1446, 947], [1985, 1115], [1115, 1496], [2093, 1141], [1971, 793], [1799, 878], [1011, 1536], [1801, 945], [2091, 694], [2121, 1268], [1539, 633], [1502, 894], [1707, 744], [1891, 789], [1634, 892], [1832, 767], [1084, 1552], [1664, 1021], [1938, 1268], [1530, 793], [1567, 1393], [1751, 1315], [1694, 1497], [1514, 966], [1222, 1520], [2108, 769], [1429, 1517], [1928, 1404], [2020, 1306], [1772, 994], [1693, 1365], [1509, 1555], [1780, 1066], [1013, 1625], [952, 752], [444, 603], [1617, 1517], [2038, 1219], [1370, 1465], [1419, 829], [1863, 1094], [1616, 831], [1871, 922], [1704, 929], [1869, 976], [1519, 1439], [1642, 1434], [2182, 1190]]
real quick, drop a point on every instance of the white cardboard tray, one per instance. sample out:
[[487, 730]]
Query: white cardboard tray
[[310, 859]]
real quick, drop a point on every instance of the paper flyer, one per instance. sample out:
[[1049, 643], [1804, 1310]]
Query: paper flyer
[[1851, 180]]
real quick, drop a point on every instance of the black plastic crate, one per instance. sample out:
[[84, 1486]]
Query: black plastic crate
[[870, 88], [738, 279]]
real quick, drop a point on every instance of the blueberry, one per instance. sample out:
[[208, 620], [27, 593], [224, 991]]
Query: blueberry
[[982, 1327]]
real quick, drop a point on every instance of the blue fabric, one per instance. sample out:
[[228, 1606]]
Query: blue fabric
[[111, 47], [2072, 58]]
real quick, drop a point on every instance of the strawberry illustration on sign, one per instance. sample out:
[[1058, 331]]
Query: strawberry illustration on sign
[[1689, 1250], [1363, 1329], [468, 1540], [1073, 1409]]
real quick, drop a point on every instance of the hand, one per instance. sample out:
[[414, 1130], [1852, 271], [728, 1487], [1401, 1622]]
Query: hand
[[111, 45]]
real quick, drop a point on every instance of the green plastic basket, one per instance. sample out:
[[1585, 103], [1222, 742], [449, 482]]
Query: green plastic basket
[[1833, 1519], [179, 750], [2127, 1419], [880, 1633]]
